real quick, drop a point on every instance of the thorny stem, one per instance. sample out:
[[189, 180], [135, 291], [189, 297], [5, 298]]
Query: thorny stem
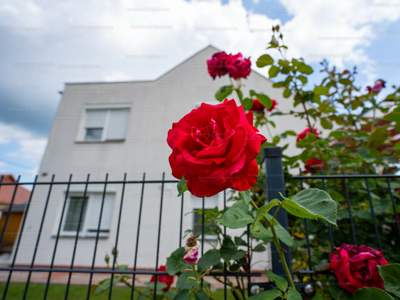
[[278, 246]]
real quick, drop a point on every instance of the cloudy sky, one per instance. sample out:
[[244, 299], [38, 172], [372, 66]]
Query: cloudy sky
[[47, 43]]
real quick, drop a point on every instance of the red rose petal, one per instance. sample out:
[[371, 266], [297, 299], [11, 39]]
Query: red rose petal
[[246, 177]]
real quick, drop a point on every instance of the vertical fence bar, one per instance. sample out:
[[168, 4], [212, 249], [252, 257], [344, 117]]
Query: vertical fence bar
[[275, 184], [38, 238], [329, 225], [57, 237], [97, 237], [372, 212], [9, 211], [353, 232], [117, 236], [249, 260], [137, 236], [393, 203], [19, 236], [202, 230], [159, 236], [181, 224], [76, 237]]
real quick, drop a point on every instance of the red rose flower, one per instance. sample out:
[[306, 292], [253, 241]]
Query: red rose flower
[[167, 279], [313, 165], [303, 134], [217, 65], [273, 106], [246, 267], [237, 66], [214, 147], [258, 107], [356, 267]]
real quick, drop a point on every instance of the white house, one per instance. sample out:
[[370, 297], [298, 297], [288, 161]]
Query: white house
[[117, 128]]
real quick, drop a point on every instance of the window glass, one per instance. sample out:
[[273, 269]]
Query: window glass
[[73, 213], [93, 134]]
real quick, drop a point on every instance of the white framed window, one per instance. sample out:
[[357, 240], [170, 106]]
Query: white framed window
[[104, 123], [209, 203], [90, 214]]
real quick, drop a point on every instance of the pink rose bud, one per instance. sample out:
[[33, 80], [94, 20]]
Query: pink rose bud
[[191, 256], [379, 84]]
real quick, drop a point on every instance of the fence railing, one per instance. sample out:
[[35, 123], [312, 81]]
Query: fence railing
[[129, 214]]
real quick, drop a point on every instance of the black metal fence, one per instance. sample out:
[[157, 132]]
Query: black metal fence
[[275, 184]]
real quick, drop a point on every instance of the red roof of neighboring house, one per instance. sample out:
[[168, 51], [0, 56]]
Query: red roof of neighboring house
[[6, 192]]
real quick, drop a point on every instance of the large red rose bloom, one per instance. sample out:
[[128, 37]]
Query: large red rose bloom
[[214, 147], [356, 267], [238, 66]]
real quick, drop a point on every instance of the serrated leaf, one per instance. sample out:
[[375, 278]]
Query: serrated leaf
[[104, 285], [262, 211], [305, 69], [229, 251], [312, 204], [321, 90], [264, 60], [391, 276], [326, 123], [263, 234], [236, 218], [293, 294], [280, 281], [246, 196], [122, 267], [182, 295], [175, 262], [184, 283], [266, 295], [223, 92], [247, 103], [182, 186], [287, 93], [200, 295], [273, 71], [210, 258], [265, 100], [371, 294]]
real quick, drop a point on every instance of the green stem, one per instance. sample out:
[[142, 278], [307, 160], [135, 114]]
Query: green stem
[[278, 247], [198, 281]]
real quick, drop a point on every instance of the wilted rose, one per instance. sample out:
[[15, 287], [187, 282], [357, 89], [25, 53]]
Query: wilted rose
[[356, 267], [217, 65]]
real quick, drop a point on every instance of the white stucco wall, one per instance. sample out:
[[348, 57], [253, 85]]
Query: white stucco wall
[[155, 105]]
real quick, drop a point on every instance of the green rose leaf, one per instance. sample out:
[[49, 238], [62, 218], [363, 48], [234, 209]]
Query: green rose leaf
[[273, 71], [223, 92], [337, 292], [184, 283], [182, 295], [175, 262], [105, 284], [122, 267], [246, 195], [200, 295], [318, 296], [312, 204], [293, 294], [264, 60], [265, 100], [321, 90], [326, 123], [391, 276], [393, 117], [210, 258], [305, 69], [281, 232], [247, 103], [287, 93], [371, 294], [236, 218], [280, 282], [262, 233], [229, 250], [396, 147], [262, 211], [267, 295], [182, 187], [302, 78]]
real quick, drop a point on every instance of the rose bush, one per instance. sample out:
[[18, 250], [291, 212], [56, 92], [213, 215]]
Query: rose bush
[[356, 267], [214, 148]]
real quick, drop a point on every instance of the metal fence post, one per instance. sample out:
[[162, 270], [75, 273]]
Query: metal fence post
[[275, 184]]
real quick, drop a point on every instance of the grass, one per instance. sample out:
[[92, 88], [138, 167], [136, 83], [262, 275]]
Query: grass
[[76, 292]]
